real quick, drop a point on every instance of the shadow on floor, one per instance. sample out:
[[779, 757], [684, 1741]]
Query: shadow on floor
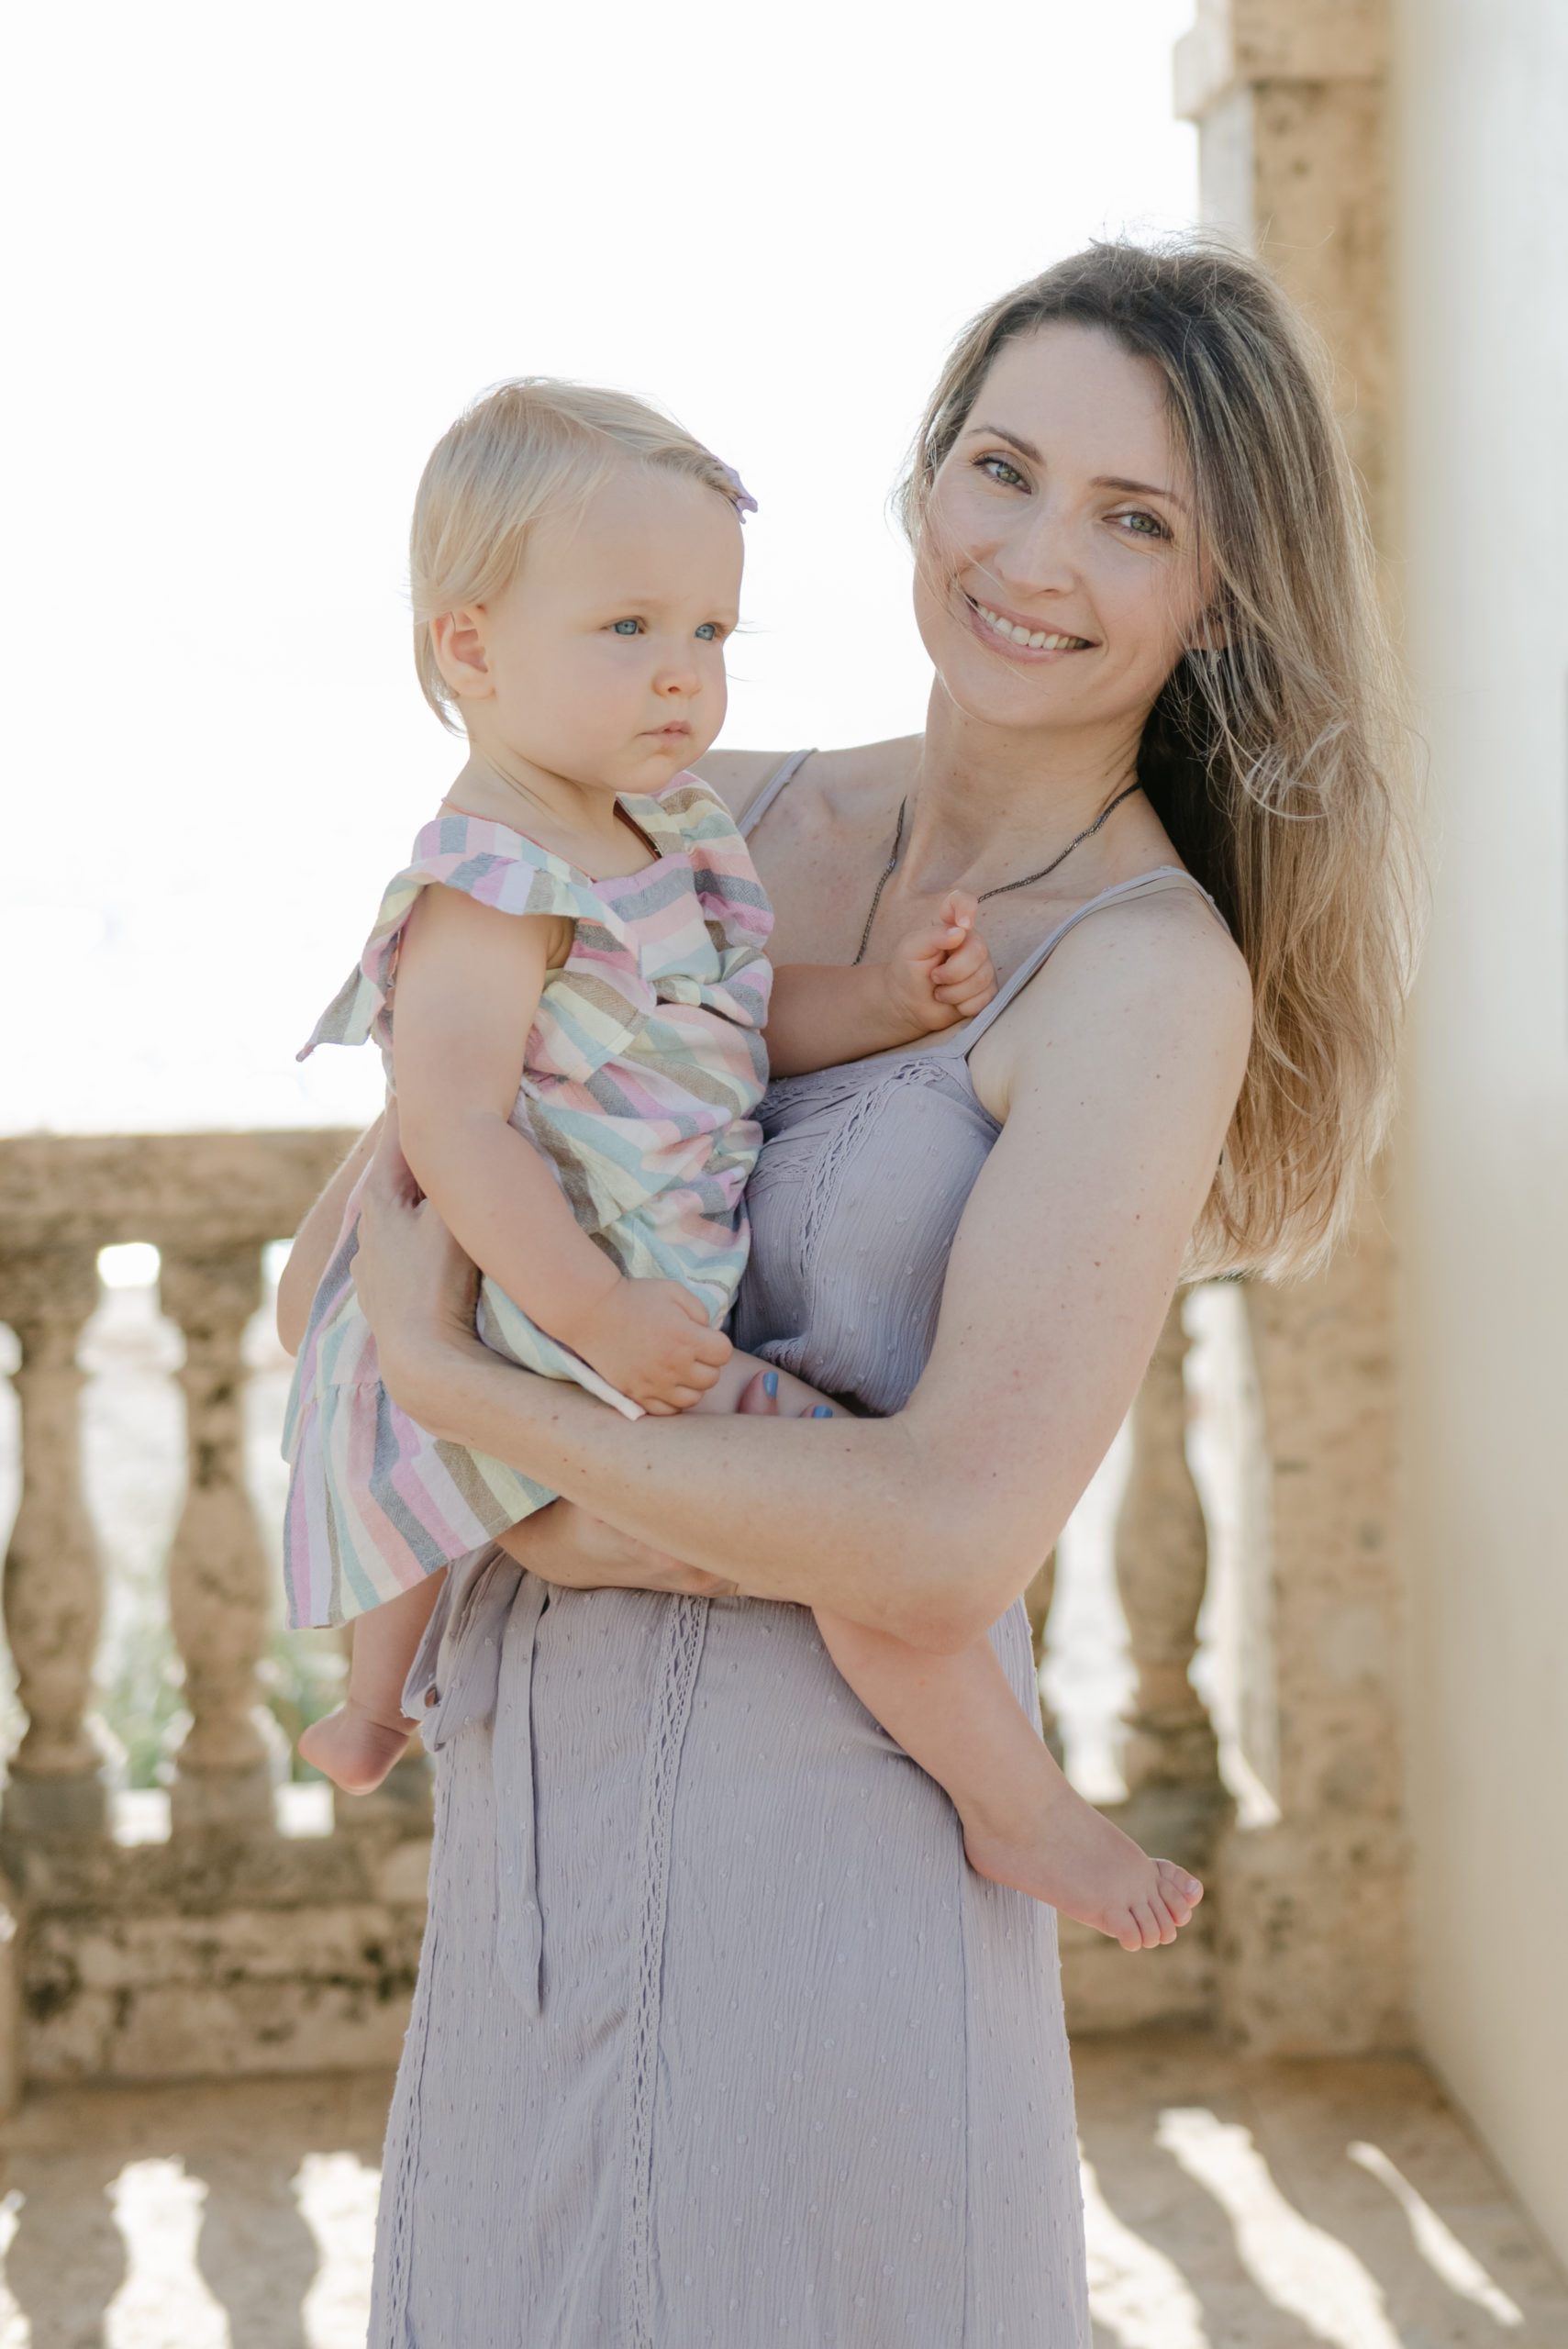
[[233, 2215], [1229, 2206]]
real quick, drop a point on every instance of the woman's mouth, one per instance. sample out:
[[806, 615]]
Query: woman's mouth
[[1016, 634]]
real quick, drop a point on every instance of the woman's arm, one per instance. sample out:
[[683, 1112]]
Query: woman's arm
[[314, 1243], [1120, 1077]]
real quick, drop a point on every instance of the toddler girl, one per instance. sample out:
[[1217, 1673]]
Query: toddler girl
[[569, 986]]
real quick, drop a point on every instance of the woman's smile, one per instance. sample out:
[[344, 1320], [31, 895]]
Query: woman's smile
[[1016, 634]]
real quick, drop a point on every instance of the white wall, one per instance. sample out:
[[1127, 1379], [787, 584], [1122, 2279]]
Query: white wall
[[1483, 481]]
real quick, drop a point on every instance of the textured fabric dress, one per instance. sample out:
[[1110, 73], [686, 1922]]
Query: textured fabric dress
[[641, 1076], [716, 2037]]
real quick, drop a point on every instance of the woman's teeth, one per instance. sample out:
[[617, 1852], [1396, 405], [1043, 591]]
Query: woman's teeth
[[1039, 642]]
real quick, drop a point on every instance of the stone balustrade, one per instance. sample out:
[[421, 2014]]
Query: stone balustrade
[[233, 1948]]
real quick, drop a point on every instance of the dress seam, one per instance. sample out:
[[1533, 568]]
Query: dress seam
[[687, 1626]]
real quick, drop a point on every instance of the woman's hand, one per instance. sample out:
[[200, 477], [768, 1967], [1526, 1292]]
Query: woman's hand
[[567, 1546], [416, 1288]]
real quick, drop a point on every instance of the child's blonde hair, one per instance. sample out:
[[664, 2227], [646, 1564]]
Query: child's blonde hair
[[528, 449]]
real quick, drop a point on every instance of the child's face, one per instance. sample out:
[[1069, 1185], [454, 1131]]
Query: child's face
[[604, 660]]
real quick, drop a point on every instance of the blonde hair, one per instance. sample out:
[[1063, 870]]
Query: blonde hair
[[533, 448], [1276, 763]]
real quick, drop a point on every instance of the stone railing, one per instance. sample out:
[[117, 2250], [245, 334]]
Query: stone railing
[[232, 1947]]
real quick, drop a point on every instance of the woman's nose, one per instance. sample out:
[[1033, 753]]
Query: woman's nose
[[1041, 554]]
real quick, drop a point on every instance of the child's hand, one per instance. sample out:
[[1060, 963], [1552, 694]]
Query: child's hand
[[651, 1340], [942, 972]]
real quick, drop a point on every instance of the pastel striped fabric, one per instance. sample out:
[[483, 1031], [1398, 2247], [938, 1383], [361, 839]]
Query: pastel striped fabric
[[642, 1073]]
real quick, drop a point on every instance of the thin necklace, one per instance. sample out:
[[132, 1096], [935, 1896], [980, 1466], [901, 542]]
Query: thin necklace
[[1002, 887]]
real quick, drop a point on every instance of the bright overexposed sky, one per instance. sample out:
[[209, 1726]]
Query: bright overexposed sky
[[262, 256]]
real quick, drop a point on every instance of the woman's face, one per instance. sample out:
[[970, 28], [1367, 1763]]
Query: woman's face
[[1059, 582]]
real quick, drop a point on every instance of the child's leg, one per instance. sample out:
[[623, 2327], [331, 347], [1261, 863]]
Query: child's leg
[[357, 1746], [1023, 1824]]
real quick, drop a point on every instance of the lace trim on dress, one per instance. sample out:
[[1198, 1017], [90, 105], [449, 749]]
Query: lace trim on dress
[[687, 1627]]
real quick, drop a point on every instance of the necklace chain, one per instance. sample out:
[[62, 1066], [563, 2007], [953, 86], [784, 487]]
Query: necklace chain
[[1003, 888]]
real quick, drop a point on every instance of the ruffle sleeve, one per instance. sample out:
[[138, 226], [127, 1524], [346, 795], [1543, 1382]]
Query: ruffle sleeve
[[689, 817], [494, 866]]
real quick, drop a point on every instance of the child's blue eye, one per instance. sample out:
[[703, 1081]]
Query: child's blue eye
[[708, 632], [627, 628]]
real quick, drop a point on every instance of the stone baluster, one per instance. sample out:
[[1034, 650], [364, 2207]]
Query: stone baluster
[[1162, 1563], [53, 1584], [217, 1570]]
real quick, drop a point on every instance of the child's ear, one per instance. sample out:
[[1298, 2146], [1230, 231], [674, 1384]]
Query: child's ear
[[457, 639]]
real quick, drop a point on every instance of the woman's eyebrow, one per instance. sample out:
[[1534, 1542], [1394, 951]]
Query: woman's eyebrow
[[1139, 488], [1015, 440], [1101, 481]]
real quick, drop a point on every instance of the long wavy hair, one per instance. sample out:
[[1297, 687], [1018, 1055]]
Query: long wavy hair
[[1278, 763]]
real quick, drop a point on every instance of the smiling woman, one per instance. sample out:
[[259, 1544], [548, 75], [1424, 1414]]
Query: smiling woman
[[1217, 566], [729, 2017]]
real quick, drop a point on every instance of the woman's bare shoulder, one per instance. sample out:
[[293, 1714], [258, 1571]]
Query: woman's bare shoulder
[[738, 776], [1135, 983]]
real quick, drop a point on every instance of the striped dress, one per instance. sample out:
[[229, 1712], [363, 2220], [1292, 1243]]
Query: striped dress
[[641, 1075]]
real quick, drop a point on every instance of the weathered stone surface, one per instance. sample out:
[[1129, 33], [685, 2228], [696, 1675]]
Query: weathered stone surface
[[1161, 1567], [53, 1586], [111, 1995], [192, 1191], [1247, 41], [1290, 100], [219, 1586], [217, 1953]]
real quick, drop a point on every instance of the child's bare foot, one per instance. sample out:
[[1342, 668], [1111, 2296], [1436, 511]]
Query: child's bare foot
[[1081, 1863], [355, 1748]]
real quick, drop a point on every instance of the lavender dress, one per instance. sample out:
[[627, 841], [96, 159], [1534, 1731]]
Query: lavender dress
[[716, 2037]]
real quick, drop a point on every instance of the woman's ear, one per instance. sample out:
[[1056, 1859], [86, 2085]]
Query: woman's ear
[[457, 639]]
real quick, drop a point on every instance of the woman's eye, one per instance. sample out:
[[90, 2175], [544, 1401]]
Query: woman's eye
[[999, 470], [627, 628], [1144, 526], [708, 630]]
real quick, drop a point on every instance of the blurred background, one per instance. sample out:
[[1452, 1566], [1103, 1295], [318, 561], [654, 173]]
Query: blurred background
[[264, 256]]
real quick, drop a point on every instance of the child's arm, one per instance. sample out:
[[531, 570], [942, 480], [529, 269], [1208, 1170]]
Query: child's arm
[[468, 981], [937, 975]]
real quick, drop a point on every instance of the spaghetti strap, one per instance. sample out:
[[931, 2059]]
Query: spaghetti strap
[[1146, 884], [771, 790]]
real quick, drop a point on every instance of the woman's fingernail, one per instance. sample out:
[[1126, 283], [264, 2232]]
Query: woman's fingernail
[[770, 1382], [823, 1411]]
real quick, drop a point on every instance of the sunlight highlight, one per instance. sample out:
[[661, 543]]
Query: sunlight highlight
[[16, 2333], [164, 2298], [337, 2197], [1437, 2245], [1134, 2290], [1300, 2267]]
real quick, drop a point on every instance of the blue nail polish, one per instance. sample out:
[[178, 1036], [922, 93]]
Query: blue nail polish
[[770, 1382], [823, 1411]]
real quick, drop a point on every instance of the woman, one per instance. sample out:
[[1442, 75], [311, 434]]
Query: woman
[[716, 2037]]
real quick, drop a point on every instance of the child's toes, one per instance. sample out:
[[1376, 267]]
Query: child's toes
[[1180, 1892]]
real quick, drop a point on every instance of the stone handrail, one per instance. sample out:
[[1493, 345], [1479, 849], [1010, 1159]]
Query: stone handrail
[[211, 1203]]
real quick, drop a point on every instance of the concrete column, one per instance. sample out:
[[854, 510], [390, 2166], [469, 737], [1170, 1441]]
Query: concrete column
[[1289, 96], [217, 1572], [53, 1584]]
